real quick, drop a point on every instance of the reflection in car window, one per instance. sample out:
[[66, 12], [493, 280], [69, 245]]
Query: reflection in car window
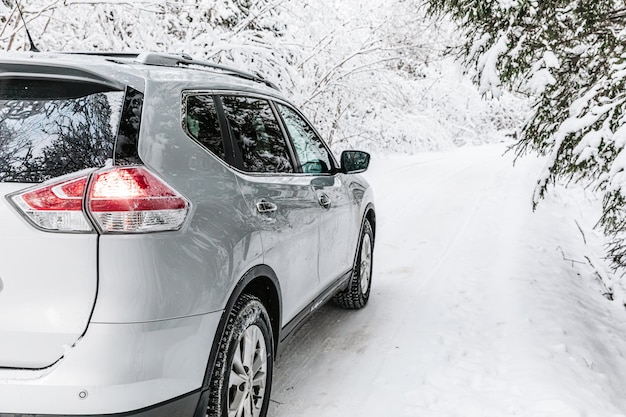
[[126, 148], [312, 155], [202, 124], [42, 139], [257, 134]]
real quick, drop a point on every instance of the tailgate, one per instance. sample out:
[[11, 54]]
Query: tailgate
[[48, 284]]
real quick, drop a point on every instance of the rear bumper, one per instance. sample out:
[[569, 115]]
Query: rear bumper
[[184, 406], [117, 369]]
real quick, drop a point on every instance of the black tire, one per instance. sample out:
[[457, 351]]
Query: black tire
[[247, 341], [358, 292]]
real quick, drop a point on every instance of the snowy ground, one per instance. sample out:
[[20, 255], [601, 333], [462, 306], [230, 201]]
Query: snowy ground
[[480, 307]]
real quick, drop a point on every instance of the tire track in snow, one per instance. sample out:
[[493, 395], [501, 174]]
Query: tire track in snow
[[406, 211], [332, 331], [329, 316], [455, 237]]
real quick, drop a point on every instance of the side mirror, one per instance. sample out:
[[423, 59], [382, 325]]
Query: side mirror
[[353, 162]]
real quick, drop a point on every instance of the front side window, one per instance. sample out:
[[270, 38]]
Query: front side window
[[258, 139], [43, 137], [313, 156], [201, 123]]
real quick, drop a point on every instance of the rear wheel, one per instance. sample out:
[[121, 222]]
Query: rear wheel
[[358, 292], [242, 376]]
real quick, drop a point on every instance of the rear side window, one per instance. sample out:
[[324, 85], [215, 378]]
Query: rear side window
[[200, 121], [127, 145], [44, 138], [259, 142]]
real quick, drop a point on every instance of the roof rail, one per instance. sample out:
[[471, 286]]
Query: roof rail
[[104, 54], [173, 60]]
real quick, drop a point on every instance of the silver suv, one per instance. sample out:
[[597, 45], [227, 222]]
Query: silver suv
[[166, 224]]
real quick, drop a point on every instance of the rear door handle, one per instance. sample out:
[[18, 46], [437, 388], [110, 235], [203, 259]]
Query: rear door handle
[[265, 207], [324, 200]]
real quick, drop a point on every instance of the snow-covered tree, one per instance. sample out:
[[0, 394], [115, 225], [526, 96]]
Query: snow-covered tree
[[370, 74], [570, 56], [238, 31]]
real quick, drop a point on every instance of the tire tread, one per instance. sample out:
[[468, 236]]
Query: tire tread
[[218, 378], [352, 297]]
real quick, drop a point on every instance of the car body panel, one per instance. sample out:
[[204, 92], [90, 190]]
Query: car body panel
[[361, 198], [289, 234], [45, 304], [119, 367], [336, 247]]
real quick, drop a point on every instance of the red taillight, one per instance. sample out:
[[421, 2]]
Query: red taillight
[[120, 199], [57, 206], [133, 189], [131, 200], [65, 196]]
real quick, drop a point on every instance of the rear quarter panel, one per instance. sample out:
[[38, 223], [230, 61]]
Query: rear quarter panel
[[191, 271]]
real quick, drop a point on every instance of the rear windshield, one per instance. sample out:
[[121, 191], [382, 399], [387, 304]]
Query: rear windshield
[[44, 138]]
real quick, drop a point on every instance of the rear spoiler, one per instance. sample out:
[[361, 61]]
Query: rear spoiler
[[45, 82]]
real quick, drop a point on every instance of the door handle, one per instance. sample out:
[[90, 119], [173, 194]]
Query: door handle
[[324, 200], [265, 207]]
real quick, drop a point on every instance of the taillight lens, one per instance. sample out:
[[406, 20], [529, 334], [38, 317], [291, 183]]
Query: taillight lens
[[56, 206], [133, 200], [118, 200]]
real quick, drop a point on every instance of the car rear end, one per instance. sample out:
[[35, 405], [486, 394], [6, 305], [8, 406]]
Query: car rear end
[[49, 251], [71, 184]]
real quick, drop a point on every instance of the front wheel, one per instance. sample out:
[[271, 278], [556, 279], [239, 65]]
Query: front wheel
[[242, 376], [358, 292]]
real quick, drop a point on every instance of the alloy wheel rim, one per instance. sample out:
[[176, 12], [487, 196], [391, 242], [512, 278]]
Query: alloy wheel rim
[[365, 269], [248, 375]]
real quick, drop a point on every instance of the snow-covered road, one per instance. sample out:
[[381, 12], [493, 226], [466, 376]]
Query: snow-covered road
[[479, 306]]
